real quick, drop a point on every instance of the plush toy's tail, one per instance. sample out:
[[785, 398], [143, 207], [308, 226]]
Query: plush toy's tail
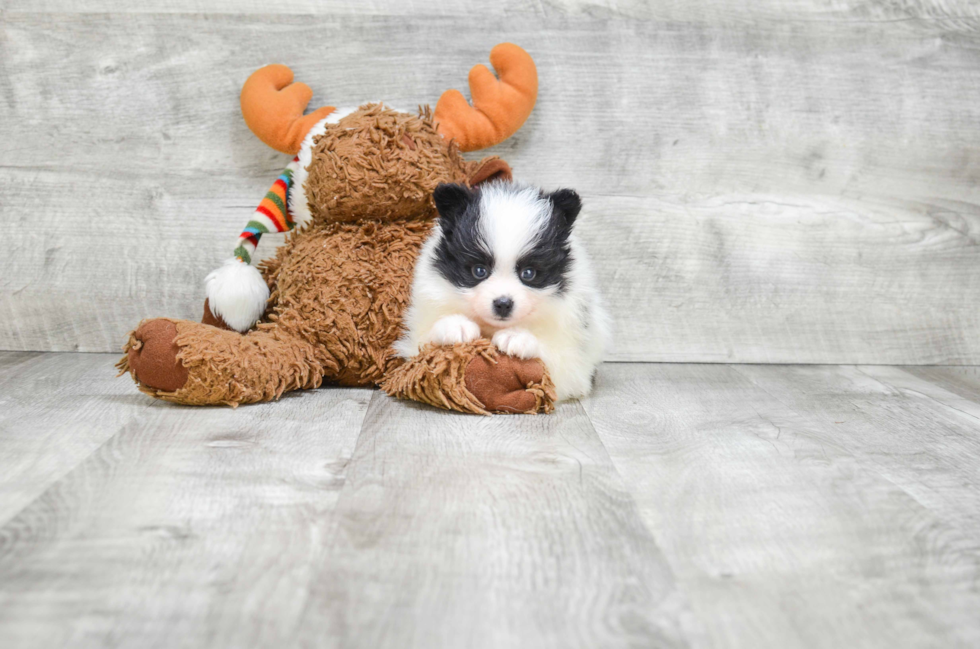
[[237, 292]]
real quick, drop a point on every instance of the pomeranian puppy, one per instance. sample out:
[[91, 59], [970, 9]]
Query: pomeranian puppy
[[503, 263]]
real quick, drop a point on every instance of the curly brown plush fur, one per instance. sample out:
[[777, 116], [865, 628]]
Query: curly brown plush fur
[[339, 286], [382, 164], [450, 377]]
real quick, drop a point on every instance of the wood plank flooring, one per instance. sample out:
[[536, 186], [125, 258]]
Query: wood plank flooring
[[680, 506]]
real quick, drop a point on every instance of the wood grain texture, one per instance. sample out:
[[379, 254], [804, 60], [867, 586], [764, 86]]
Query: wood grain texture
[[926, 446], [727, 279], [681, 505], [454, 530], [789, 182], [55, 411], [962, 381], [264, 526], [963, 13], [776, 514], [187, 524], [949, 389]]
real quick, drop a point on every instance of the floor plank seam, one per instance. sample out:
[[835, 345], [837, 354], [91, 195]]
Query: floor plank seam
[[923, 394]]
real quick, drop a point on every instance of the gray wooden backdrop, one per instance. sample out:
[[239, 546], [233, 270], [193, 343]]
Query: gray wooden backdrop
[[767, 181]]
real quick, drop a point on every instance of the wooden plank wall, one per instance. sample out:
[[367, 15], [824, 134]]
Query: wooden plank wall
[[775, 181]]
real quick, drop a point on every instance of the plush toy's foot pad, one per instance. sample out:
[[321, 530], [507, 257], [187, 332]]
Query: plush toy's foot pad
[[151, 356], [507, 384]]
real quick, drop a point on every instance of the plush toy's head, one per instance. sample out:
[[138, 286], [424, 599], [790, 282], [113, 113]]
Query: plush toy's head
[[379, 163]]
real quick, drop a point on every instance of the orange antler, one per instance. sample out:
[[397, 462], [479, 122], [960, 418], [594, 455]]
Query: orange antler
[[273, 108], [499, 107]]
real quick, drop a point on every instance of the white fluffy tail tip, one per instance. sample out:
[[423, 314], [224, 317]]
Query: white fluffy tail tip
[[237, 294]]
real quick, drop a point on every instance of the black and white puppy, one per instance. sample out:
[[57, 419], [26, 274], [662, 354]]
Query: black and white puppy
[[503, 263]]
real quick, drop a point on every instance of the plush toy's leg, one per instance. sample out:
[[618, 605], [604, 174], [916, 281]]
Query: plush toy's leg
[[473, 377], [199, 364]]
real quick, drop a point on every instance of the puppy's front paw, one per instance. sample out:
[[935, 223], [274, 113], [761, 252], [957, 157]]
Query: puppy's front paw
[[453, 329], [517, 342]]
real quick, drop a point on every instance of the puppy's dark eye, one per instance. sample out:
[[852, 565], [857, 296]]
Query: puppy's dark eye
[[528, 274], [480, 272]]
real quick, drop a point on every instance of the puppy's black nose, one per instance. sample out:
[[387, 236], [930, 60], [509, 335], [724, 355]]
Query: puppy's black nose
[[502, 307]]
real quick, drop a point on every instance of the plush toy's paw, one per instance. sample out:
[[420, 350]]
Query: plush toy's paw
[[508, 384], [473, 377], [151, 356], [453, 329], [517, 342]]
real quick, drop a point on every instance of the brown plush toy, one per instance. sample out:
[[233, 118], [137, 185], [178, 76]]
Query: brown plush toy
[[328, 306]]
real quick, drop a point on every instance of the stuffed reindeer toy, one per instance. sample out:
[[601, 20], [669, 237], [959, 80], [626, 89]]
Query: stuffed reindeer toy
[[357, 203]]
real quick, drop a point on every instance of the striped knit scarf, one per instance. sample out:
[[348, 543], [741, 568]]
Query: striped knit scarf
[[272, 214]]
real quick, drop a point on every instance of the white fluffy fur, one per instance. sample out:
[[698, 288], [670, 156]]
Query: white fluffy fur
[[237, 294], [299, 208], [568, 331], [517, 342], [453, 329]]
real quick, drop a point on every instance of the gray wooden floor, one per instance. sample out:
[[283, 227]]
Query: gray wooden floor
[[682, 505]]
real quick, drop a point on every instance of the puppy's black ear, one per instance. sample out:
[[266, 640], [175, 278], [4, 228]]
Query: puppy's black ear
[[451, 200], [567, 205]]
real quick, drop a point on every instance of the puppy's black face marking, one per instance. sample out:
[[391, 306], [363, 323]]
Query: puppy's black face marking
[[465, 258], [462, 251], [550, 256]]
